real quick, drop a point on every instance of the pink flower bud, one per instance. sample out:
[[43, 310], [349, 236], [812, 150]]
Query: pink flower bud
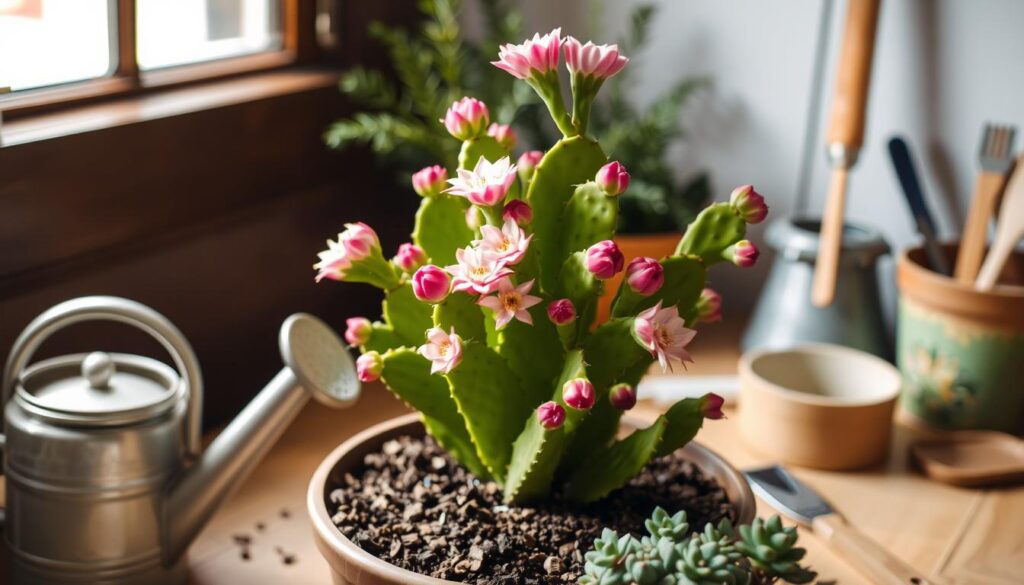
[[359, 240], [410, 257], [467, 118], [518, 211], [431, 284], [645, 275], [430, 181], [709, 306], [711, 406], [604, 260], [561, 312], [743, 253], [622, 396], [504, 134], [578, 393], [749, 204], [527, 163], [357, 330], [590, 60], [369, 366], [474, 217], [551, 415], [613, 178]]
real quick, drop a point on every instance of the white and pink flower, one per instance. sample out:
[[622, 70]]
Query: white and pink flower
[[663, 333], [359, 240], [508, 244], [604, 259], [749, 204], [477, 271], [487, 184], [430, 181], [467, 118], [334, 261], [709, 306], [645, 275], [613, 178], [601, 61], [369, 366], [431, 284], [743, 254], [511, 302], [357, 330], [409, 257], [539, 55], [527, 164], [504, 134], [444, 350]]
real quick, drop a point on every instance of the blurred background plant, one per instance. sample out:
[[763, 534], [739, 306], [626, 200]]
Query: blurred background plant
[[437, 64]]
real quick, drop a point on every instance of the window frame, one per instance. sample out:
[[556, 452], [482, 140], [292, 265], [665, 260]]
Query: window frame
[[298, 45]]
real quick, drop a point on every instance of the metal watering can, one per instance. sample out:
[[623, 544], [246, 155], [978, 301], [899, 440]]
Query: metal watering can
[[107, 482]]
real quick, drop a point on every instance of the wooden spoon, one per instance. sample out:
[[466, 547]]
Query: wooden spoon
[[972, 458], [1009, 229]]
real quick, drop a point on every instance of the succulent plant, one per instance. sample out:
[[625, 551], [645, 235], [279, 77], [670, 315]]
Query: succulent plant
[[670, 555], [771, 549], [488, 325]]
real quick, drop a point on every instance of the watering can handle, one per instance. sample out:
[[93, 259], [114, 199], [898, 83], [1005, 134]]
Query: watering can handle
[[121, 310]]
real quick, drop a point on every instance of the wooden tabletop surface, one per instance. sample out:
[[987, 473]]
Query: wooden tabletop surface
[[953, 535]]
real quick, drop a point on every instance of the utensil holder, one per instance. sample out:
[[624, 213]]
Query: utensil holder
[[961, 351]]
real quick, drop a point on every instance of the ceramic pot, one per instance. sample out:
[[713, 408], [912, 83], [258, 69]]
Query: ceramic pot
[[351, 565], [655, 246], [961, 351]]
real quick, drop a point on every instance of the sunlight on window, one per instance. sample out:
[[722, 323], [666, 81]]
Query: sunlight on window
[[176, 32], [47, 42]]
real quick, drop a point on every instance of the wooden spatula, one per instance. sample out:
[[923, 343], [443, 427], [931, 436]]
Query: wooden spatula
[[1009, 229]]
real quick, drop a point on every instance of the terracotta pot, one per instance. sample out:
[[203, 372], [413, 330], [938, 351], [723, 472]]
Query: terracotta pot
[[654, 246], [351, 565], [961, 350]]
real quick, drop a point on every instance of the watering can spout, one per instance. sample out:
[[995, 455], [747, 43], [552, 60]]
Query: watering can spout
[[317, 364]]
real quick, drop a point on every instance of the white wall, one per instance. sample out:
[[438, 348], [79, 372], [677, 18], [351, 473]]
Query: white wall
[[942, 68]]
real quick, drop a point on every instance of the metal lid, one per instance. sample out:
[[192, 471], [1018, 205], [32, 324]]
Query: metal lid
[[797, 239], [99, 388]]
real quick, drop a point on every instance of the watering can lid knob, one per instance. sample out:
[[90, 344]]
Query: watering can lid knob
[[98, 368]]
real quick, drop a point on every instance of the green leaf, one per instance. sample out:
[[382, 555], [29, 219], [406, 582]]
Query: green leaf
[[441, 228], [577, 284], [382, 338], [535, 456], [534, 352], [460, 311], [613, 466], [715, 229], [683, 420], [408, 316], [589, 217], [485, 146], [407, 374], [685, 278], [611, 351]]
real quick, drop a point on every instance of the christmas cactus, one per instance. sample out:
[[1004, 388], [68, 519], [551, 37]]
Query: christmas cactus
[[488, 323]]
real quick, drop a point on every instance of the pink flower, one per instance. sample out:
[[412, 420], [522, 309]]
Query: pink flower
[[369, 366], [357, 330], [508, 244], [743, 253], [518, 211], [749, 204], [504, 134], [551, 415], [510, 302], [604, 260], [431, 284], [334, 261], [487, 184], [663, 333], [535, 56], [613, 178], [561, 312], [444, 350], [467, 118], [711, 406], [592, 60], [645, 275], [477, 271], [410, 257], [709, 306], [527, 163], [579, 394], [359, 240], [430, 181], [622, 396]]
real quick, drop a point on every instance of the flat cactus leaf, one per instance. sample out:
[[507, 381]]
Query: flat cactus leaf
[[460, 311], [441, 227], [408, 316], [613, 466], [489, 396], [571, 161], [715, 229], [407, 375], [484, 146], [374, 270], [590, 216], [534, 352], [382, 338], [610, 352], [535, 456], [683, 420], [685, 277], [577, 284], [574, 367]]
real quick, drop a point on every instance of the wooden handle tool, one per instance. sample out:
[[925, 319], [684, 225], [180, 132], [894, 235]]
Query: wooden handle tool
[[844, 138], [865, 554]]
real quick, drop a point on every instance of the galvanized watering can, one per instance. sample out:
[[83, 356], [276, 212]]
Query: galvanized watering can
[[107, 482]]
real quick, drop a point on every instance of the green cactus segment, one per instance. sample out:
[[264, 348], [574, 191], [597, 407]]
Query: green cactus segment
[[771, 549], [577, 284], [408, 376], [570, 162], [374, 270], [589, 217], [573, 368], [460, 311], [684, 419], [484, 146], [714, 230], [408, 316], [535, 456], [382, 338], [441, 227], [489, 397], [685, 277], [534, 352], [610, 468], [610, 352]]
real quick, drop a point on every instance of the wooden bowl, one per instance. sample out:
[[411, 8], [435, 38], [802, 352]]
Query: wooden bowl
[[818, 405], [351, 565]]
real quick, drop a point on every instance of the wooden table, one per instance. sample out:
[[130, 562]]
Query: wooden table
[[954, 535]]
